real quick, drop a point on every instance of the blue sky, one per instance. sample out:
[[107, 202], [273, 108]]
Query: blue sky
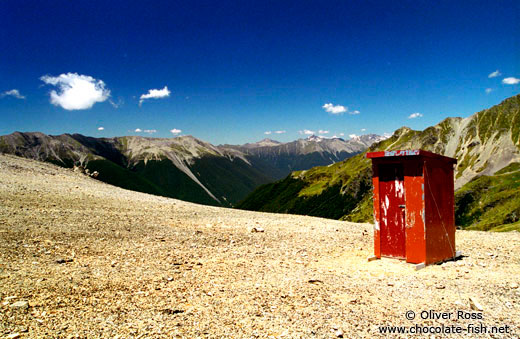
[[229, 71]]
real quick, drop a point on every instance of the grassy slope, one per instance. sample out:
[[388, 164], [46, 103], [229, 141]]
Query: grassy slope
[[328, 191], [490, 202], [351, 175], [234, 180], [230, 179], [122, 177], [161, 177], [174, 182]]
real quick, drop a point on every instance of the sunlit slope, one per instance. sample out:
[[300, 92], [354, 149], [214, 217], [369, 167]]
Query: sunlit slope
[[490, 202]]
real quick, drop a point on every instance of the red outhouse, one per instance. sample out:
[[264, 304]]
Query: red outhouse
[[413, 205]]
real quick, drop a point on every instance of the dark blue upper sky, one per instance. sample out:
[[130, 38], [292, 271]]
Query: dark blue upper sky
[[237, 69]]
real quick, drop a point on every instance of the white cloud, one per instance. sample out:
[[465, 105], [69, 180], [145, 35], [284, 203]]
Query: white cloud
[[138, 130], [155, 94], [415, 115], [267, 132], [101, 128], [323, 132], [352, 136], [76, 91], [342, 134], [330, 108], [280, 132], [494, 74], [354, 112], [489, 90], [510, 81], [306, 131], [13, 93], [175, 131], [150, 131], [363, 129]]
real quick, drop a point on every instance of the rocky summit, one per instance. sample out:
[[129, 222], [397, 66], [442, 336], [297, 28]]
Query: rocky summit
[[80, 258]]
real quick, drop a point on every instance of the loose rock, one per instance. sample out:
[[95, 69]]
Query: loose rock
[[315, 281], [475, 305], [63, 261], [20, 304]]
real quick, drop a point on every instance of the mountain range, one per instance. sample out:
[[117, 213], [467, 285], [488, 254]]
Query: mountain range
[[184, 167], [302, 154], [487, 176]]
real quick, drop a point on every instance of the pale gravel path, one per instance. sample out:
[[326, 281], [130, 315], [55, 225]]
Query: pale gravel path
[[151, 267]]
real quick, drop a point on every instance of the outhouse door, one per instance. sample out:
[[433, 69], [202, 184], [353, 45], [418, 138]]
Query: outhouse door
[[392, 209]]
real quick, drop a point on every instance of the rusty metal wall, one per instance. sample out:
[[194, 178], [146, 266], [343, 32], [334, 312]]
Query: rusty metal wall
[[415, 212], [392, 210], [440, 219]]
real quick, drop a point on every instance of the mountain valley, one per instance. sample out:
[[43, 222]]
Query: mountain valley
[[184, 167]]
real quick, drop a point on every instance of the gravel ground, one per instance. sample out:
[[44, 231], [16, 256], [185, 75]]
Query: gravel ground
[[83, 259]]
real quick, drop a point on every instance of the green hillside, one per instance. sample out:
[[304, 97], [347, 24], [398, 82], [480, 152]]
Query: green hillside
[[332, 191], [232, 180], [481, 143], [122, 177], [229, 181], [490, 202], [173, 182]]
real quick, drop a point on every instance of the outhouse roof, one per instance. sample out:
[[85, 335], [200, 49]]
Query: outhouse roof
[[409, 153]]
